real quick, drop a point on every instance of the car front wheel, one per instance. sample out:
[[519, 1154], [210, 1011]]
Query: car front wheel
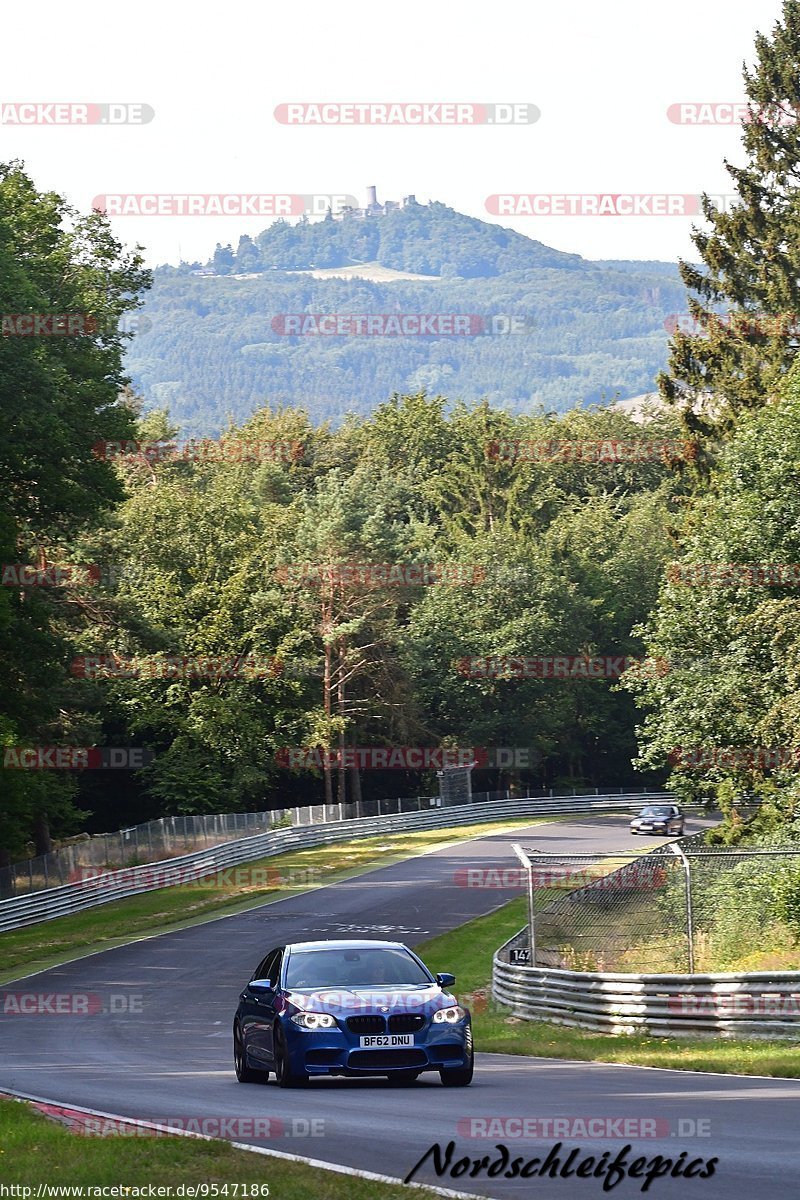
[[284, 1076], [244, 1073]]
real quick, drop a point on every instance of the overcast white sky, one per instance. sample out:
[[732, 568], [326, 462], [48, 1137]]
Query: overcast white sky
[[603, 76]]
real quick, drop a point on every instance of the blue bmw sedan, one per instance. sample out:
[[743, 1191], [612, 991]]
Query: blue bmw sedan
[[354, 1008]]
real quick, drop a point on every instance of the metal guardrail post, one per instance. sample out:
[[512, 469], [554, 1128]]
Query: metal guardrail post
[[687, 872], [526, 862]]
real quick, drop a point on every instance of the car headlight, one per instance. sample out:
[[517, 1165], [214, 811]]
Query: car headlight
[[313, 1020], [449, 1015]]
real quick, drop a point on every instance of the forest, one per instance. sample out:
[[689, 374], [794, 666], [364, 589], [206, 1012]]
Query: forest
[[246, 599]]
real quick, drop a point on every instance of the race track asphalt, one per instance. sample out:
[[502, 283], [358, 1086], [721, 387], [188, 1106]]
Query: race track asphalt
[[164, 1054]]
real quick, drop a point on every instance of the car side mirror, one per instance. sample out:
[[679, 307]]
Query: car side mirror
[[445, 979], [261, 985]]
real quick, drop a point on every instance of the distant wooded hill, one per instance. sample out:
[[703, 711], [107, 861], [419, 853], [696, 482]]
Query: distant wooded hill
[[549, 329]]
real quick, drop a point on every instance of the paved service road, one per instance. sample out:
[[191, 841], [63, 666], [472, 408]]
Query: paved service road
[[164, 1051]]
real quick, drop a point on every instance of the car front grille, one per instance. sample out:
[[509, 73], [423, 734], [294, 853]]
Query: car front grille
[[376, 1060], [366, 1024], [405, 1022]]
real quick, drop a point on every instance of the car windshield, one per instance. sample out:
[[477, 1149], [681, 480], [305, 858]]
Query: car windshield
[[370, 967], [656, 810]]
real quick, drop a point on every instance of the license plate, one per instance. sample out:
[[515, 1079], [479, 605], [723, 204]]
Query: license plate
[[382, 1040]]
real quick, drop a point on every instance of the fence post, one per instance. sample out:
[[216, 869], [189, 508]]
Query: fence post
[[687, 872], [527, 864]]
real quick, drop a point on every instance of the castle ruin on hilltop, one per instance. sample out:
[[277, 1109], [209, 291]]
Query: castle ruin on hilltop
[[373, 208]]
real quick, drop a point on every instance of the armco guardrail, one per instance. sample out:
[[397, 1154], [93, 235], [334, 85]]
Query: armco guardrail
[[166, 837], [73, 897], [758, 1004]]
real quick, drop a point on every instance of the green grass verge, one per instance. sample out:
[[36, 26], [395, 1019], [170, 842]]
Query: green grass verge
[[50, 943], [468, 951], [35, 1149]]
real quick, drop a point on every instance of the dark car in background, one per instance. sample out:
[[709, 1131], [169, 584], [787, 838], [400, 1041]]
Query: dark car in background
[[659, 818], [351, 1008]]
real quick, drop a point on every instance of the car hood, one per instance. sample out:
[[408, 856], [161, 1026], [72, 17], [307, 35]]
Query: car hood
[[351, 1001]]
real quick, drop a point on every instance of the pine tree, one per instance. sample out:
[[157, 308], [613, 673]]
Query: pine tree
[[746, 301]]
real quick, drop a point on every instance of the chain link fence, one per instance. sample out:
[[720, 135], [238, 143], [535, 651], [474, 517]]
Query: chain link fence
[[150, 842], [682, 908], [170, 837]]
